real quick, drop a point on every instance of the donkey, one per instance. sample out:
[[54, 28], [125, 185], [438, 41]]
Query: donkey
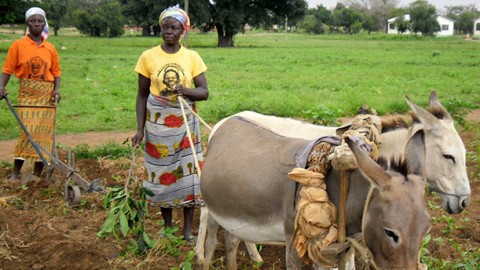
[[247, 192], [445, 165], [446, 169]]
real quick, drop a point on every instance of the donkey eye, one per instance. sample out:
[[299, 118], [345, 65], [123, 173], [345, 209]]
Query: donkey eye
[[450, 157], [391, 234]]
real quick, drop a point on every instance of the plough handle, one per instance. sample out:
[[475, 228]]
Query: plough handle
[[35, 146]]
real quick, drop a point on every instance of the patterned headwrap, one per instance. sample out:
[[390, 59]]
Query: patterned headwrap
[[38, 11], [177, 13]]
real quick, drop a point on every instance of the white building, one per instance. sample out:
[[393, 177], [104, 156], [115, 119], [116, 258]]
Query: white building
[[476, 27], [446, 26]]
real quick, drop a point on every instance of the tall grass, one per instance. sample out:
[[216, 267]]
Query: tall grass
[[294, 75]]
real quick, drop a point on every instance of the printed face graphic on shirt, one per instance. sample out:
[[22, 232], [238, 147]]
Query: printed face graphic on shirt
[[36, 68], [168, 76]]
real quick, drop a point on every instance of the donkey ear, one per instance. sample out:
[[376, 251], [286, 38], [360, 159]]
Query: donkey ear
[[368, 167], [435, 104], [415, 154], [426, 118]]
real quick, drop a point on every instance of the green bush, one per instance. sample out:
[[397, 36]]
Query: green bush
[[109, 151]]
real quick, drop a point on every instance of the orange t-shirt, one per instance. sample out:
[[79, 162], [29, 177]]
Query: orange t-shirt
[[31, 61]]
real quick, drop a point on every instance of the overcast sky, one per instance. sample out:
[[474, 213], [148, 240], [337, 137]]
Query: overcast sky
[[439, 4]]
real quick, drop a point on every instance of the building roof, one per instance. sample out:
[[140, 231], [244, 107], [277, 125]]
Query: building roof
[[406, 17]]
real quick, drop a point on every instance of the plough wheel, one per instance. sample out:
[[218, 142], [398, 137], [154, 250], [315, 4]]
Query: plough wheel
[[72, 194]]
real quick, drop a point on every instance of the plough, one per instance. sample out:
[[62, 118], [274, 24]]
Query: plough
[[74, 183]]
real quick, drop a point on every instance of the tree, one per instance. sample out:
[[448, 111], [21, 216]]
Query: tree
[[13, 11], [423, 18], [369, 23], [380, 10], [311, 25], [402, 24], [55, 10], [231, 16], [346, 17], [322, 14], [102, 19], [367, 20], [316, 19], [145, 13], [463, 16]]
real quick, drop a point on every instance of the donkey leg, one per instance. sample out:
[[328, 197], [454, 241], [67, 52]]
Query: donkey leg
[[202, 234], [211, 241], [231, 246], [253, 252]]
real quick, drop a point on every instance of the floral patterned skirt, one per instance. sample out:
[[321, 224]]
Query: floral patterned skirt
[[169, 162], [37, 113]]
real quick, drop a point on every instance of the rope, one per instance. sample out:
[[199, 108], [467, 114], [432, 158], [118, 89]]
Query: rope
[[364, 252], [192, 146], [194, 113]]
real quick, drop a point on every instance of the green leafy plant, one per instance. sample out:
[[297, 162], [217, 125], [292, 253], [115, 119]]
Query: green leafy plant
[[110, 151], [187, 264], [470, 257], [449, 220], [173, 242], [128, 208], [323, 115], [5, 164], [458, 109], [47, 192]]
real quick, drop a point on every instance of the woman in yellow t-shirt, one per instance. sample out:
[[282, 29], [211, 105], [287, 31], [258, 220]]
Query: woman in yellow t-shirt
[[35, 62], [164, 73]]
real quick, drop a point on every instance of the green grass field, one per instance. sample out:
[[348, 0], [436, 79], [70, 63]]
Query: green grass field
[[317, 77]]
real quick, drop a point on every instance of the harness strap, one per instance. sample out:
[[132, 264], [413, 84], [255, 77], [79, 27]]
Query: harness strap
[[364, 252]]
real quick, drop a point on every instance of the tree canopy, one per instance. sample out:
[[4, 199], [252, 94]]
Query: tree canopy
[[104, 19], [463, 16], [230, 17], [13, 11], [56, 10], [423, 18]]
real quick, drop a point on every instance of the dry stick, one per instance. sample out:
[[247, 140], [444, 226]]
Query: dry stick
[[342, 206], [185, 120]]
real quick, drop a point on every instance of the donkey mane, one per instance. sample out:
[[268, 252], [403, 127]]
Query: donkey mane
[[398, 164], [395, 121], [398, 121], [438, 112]]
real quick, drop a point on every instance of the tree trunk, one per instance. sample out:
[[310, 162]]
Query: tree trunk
[[55, 31], [146, 30], [225, 38]]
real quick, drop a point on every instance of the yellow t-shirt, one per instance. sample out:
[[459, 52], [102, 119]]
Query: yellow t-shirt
[[165, 70]]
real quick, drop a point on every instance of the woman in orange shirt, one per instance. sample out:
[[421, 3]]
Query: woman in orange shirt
[[35, 62]]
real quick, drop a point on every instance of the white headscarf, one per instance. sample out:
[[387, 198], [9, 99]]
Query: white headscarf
[[38, 11]]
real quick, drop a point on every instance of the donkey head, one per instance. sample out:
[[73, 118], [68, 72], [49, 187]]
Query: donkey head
[[446, 155], [396, 219]]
